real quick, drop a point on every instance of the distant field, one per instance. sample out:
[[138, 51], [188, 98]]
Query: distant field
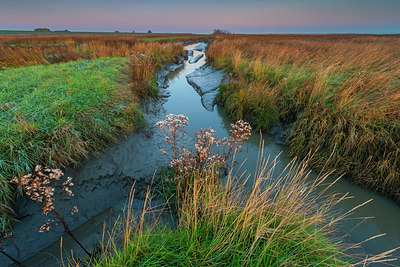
[[59, 32], [170, 38], [42, 49], [150, 37], [76, 32]]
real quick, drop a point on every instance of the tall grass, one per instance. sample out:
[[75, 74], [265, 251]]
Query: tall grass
[[27, 50], [222, 221], [225, 220], [275, 222], [339, 93], [146, 60]]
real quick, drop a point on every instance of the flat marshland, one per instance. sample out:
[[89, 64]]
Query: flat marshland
[[63, 97], [27, 50], [338, 94]]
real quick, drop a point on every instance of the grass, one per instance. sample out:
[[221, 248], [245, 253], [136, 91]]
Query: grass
[[338, 94], [225, 220], [146, 61], [63, 32], [55, 115], [27, 50], [274, 219], [173, 38], [272, 223]]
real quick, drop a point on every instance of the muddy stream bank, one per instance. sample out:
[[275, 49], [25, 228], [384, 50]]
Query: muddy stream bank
[[103, 183]]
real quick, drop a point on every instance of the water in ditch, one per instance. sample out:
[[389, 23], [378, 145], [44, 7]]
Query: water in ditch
[[102, 183]]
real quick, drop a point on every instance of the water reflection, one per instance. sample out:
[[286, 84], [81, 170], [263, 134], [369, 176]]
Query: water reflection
[[386, 213]]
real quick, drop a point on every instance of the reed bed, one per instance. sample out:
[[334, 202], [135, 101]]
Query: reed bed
[[280, 221], [27, 50], [339, 94], [146, 60]]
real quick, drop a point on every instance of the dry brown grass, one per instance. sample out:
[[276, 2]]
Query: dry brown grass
[[339, 92], [26, 50], [315, 52], [145, 60]]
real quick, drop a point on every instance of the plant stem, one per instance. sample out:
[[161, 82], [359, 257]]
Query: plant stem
[[11, 258], [69, 232]]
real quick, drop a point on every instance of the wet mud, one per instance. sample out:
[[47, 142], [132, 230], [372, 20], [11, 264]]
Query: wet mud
[[103, 183]]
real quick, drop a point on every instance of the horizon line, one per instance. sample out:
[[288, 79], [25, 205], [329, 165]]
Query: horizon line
[[172, 32]]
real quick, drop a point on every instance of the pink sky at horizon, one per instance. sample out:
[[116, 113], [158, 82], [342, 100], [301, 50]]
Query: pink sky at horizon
[[175, 16]]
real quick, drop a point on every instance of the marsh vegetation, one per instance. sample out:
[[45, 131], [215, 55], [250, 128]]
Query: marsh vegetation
[[55, 115], [66, 97], [338, 94]]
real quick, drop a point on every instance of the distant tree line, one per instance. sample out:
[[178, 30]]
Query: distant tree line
[[220, 31], [42, 30]]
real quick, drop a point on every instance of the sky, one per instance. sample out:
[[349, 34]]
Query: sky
[[202, 16]]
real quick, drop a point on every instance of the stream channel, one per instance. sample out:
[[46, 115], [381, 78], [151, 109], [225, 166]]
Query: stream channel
[[103, 183]]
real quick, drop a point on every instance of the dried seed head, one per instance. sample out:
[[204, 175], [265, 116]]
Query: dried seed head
[[40, 186]]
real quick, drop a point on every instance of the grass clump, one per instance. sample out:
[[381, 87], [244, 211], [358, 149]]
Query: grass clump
[[145, 62], [222, 222], [250, 104], [218, 227], [54, 115], [338, 93]]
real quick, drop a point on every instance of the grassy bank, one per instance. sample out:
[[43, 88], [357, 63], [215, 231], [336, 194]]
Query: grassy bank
[[339, 94], [54, 115]]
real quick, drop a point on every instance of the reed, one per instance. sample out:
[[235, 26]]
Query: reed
[[274, 222], [146, 60], [27, 50], [339, 94]]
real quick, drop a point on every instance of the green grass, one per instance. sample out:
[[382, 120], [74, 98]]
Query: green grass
[[203, 245], [273, 224], [54, 115], [260, 111]]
